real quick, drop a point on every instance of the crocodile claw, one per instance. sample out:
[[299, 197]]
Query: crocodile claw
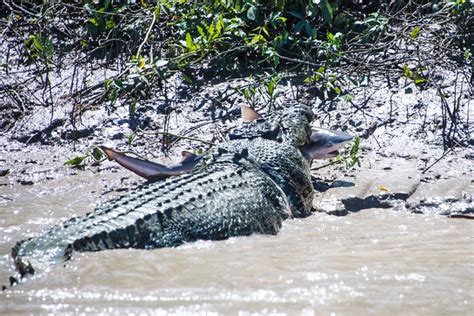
[[152, 170], [324, 143]]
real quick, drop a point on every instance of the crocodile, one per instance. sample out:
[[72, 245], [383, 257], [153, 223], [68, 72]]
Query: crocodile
[[250, 184]]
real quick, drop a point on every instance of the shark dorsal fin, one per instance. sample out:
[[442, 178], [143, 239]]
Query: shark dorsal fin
[[248, 114]]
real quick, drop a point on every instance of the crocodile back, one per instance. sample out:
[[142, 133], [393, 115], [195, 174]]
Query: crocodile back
[[226, 196], [285, 165]]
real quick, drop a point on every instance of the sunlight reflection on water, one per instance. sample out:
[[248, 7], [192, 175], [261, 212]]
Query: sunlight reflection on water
[[372, 262]]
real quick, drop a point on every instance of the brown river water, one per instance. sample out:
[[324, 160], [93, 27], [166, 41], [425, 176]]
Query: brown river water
[[374, 262]]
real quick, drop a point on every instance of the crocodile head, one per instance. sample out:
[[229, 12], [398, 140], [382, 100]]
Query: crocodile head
[[289, 124], [287, 162]]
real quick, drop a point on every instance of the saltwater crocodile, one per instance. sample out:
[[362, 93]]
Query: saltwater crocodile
[[249, 184]]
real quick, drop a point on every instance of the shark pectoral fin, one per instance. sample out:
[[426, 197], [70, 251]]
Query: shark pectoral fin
[[144, 168], [188, 162], [324, 143], [187, 156], [248, 114]]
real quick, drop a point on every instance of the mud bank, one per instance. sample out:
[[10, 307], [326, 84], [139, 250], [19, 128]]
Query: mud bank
[[406, 160], [387, 235]]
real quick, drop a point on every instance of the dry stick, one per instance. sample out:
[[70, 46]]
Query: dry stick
[[147, 35], [19, 7], [20, 101], [98, 85], [438, 160], [299, 61], [177, 136], [105, 12], [327, 165], [454, 125], [447, 113]]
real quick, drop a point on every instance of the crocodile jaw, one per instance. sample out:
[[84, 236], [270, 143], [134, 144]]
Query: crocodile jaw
[[324, 143]]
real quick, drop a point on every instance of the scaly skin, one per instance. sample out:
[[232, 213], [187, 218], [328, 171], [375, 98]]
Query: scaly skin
[[248, 185]]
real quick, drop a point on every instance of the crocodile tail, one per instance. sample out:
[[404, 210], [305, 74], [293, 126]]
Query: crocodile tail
[[24, 266], [96, 231]]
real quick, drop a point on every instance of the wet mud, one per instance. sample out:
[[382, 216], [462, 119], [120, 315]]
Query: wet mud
[[390, 235]]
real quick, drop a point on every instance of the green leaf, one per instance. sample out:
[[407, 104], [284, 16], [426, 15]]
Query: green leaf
[[93, 22], [157, 10], [296, 14], [330, 37], [257, 38], [299, 26], [252, 13], [37, 44], [309, 30], [210, 32], [76, 161], [280, 4], [407, 72], [106, 4], [110, 24], [326, 11], [187, 78], [220, 24], [132, 109], [280, 40], [131, 138], [189, 42], [97, 154], [467, 55], [355, 147], [201, 31], [420, 81], [347, 97], [415, 32]]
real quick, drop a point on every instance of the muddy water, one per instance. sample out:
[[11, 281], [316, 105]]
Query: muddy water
[[375, 262]]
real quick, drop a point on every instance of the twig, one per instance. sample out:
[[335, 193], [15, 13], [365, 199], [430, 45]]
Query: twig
[[326, 165], [438, 160], [177, 136], [147, 35]]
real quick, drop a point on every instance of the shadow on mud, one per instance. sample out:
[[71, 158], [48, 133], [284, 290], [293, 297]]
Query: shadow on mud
[[321, 185]]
